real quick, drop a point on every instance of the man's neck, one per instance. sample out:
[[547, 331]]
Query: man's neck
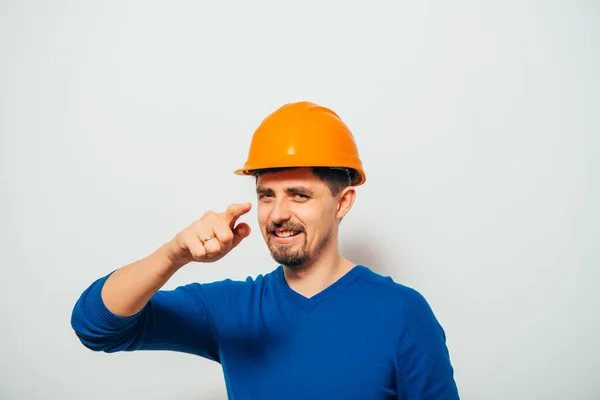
[[312, 279]]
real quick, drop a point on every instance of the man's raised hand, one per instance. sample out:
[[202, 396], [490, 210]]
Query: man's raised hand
[[211, 237]]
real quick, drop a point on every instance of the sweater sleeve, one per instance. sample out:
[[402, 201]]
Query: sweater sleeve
[[424, 368], [177, 320]]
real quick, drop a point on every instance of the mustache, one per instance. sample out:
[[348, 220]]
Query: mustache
[[287, 226]]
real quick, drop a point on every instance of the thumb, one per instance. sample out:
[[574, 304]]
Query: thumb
[[234, 211], [240, 232]]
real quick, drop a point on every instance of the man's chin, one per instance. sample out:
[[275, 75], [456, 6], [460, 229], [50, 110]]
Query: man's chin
[[289, 260]]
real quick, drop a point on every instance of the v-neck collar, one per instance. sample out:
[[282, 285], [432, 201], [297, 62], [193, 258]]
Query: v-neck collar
[[308, 303]]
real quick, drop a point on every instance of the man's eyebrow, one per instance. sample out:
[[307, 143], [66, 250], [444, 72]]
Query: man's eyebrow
[[300, 190], [263, 190], [294, 190]]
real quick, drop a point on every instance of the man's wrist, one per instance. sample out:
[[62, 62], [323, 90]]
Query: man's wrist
[[167, 264]]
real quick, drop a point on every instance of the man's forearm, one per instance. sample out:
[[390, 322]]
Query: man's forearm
[[129, 288]]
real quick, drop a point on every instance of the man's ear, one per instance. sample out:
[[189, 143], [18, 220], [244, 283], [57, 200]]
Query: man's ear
[[345, 201]]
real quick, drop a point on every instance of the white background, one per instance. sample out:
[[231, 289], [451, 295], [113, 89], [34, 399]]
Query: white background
[[477, 122]]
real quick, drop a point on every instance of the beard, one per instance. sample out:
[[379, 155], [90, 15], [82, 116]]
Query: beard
[[295, 255]]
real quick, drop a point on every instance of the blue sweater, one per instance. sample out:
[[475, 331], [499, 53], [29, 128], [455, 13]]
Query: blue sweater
[[364, 337]]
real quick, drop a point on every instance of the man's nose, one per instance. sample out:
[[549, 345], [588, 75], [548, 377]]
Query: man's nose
[[281, 211]]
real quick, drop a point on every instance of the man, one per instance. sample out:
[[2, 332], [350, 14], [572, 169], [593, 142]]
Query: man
[[316, 327]]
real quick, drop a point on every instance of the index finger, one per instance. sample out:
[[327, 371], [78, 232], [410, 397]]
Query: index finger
[[234, 211]]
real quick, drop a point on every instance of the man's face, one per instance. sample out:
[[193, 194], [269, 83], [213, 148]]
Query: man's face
[[296, 214]]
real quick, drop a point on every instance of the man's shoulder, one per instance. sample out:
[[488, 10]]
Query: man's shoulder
[[385, 289]]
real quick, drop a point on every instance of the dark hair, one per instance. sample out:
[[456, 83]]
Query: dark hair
[[336, 179]]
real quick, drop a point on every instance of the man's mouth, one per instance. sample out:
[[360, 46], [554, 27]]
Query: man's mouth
[[285, 234]]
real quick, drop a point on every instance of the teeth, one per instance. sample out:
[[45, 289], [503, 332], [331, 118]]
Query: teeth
[[285, 233]]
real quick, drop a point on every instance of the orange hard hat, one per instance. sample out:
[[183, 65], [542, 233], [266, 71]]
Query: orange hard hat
[[303, 134]]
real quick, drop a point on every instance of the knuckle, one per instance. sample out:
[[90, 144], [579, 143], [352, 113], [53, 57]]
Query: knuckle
[[197, 226], [214, 248], [210, 214], [199, 253], [228, 236]]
